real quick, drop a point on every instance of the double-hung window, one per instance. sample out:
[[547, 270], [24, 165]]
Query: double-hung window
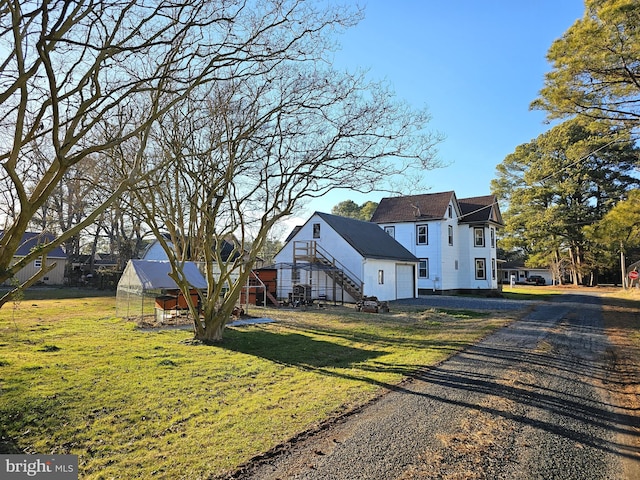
[[450, 234], [478, 236], [422, 234], [481, 269], [423, 268]]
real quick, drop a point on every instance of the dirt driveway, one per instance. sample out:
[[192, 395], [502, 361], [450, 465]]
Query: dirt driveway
[[533, 401]]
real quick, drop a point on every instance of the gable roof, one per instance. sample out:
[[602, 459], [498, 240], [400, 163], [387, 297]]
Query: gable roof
[[367, 238], [480, 209], [33, 239], [429, 206]]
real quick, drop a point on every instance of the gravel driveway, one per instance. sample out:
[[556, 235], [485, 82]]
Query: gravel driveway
[[528, 402]]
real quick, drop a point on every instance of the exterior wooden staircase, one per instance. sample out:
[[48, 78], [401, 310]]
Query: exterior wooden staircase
[[313, 253]]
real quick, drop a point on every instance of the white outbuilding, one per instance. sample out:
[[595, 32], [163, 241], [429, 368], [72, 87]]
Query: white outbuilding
[[337, 258]]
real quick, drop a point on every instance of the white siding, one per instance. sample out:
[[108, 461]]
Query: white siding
[[331, 242], [444, 258], [53, 277], [367, 270]]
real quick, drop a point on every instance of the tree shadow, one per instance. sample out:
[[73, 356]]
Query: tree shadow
[[296, 349], [8, 445]]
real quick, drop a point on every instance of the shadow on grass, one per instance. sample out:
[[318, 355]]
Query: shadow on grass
[[327, 357], [296, 349], [8, 445]]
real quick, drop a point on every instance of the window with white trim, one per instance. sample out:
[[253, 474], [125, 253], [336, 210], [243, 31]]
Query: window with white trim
[[450, 211], [493, 268], [316, 230], [391, 231], [37, 263], [481, 269], [422, 234], [450, 234], [493, 237], [423, 268], [478, 236], [380, 277]]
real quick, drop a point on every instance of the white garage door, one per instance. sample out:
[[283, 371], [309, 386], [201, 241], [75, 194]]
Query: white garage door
[[404, 281]]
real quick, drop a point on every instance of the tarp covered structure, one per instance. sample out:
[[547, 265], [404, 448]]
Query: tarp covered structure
[[154, 275], [143, 280]]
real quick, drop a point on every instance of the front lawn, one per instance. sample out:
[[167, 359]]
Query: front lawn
[[133, 403]]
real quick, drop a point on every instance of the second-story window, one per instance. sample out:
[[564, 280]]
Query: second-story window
[[450, 234], [391, 231], [478, 236], [422, 234], [492, 231], [316, 230]]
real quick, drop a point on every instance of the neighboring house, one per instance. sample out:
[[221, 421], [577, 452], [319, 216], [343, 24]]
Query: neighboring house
[[342, 259], [454, 239], [521, 273], [31, 240]]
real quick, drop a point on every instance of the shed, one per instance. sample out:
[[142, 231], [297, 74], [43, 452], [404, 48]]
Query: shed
[[146, 289], [31, 240]]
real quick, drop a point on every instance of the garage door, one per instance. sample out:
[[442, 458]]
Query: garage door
[[404, 281]]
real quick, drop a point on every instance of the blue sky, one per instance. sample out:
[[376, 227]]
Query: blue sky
[[476, 65]]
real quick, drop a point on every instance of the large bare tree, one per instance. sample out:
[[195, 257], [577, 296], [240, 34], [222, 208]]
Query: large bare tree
[[79, 79], [248, 154]]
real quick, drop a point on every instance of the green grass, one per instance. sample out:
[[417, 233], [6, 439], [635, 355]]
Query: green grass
[[152, 404], [524, 292]]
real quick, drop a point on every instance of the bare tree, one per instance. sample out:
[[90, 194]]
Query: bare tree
[[79, 79], [252, 151]]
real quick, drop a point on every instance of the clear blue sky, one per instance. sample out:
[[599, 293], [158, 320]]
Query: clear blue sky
[[476, 65]]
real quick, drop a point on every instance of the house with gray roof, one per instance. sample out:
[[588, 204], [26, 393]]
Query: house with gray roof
[[31, 240], [342, 259], [455, 240]]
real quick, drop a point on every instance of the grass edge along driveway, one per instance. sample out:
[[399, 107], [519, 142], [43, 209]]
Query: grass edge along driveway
[[151, 404]]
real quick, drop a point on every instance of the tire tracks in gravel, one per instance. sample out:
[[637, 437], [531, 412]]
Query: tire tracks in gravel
[[526, 402]]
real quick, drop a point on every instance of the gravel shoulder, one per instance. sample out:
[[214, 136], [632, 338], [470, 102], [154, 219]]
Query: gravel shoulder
[[531, 401]]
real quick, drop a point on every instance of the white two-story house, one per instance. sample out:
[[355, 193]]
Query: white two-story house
[[454, 239]]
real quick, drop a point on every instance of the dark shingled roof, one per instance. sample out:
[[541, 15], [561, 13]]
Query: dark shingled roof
[[430, 206], [32, 239], [367, 238], [480, 209]]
